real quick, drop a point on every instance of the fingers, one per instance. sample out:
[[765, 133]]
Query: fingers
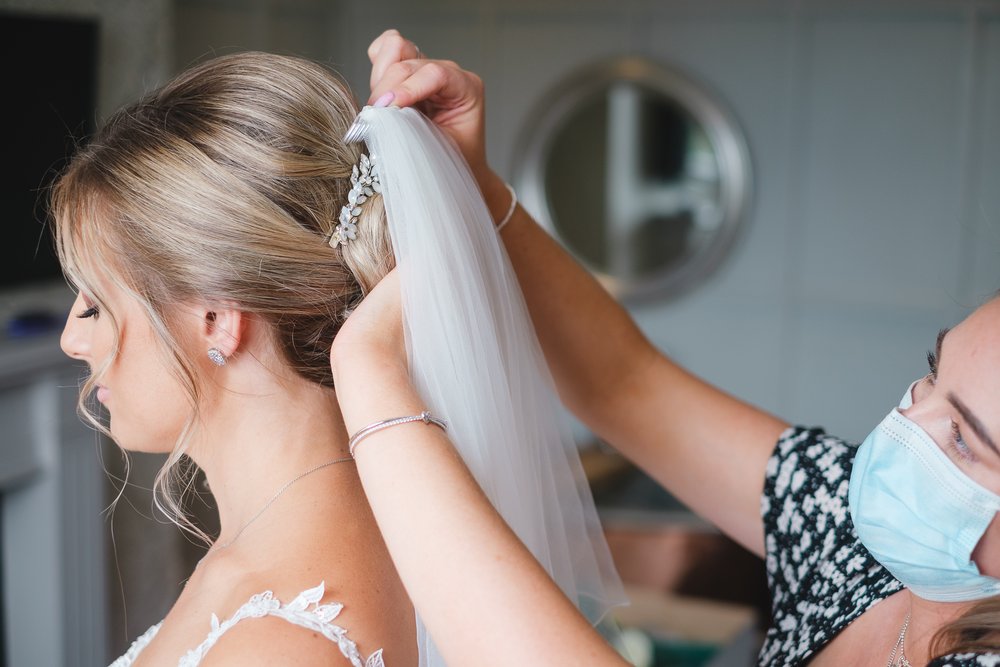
[[393, 76], [448, 95], [441, 81], [389, 48], [399, 67]]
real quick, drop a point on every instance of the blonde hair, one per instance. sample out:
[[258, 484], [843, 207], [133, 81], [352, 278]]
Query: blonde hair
[[977, 630], [223, 187]]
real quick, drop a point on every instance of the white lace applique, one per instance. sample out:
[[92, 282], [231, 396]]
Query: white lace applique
[[136, 648], [304, 611]]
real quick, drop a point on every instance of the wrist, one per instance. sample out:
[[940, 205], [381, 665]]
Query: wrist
[[495, 194]]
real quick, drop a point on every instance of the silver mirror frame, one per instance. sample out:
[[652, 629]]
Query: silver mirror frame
[[719, 124]]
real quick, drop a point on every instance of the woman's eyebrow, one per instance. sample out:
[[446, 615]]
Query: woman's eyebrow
[[940, 342], [973, 422]]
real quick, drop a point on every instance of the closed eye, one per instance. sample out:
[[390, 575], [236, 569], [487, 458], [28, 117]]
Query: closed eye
[[959, 446]]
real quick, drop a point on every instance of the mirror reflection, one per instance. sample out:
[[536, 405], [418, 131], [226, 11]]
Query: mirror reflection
[[642, 175]]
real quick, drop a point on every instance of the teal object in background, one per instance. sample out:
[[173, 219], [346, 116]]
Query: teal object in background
[[682, 654]]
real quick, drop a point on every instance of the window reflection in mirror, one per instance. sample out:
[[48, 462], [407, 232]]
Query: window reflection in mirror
[[644, 178]]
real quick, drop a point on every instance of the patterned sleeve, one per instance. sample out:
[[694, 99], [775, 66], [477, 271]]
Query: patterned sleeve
[[821, 577], [967, 660]]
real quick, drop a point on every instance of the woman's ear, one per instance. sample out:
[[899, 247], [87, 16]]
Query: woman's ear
[[222, 332]]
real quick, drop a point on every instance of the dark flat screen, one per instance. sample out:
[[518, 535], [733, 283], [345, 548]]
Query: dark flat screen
[[49, 78]]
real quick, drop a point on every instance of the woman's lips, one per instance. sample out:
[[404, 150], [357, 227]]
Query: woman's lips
[[102, 393]]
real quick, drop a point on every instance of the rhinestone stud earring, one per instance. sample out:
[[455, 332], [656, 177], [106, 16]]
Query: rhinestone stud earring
[[216, 356]]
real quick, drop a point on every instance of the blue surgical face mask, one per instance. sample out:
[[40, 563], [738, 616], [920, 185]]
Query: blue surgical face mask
[[918, 514]]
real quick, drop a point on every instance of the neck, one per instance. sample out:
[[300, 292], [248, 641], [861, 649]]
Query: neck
[[257, 435], [926, 618]]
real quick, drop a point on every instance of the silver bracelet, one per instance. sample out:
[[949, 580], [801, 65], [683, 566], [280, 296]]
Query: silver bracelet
[[424, 416], [510, 211]]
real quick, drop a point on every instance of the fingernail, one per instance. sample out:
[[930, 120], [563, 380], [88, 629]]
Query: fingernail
[[384, 100]]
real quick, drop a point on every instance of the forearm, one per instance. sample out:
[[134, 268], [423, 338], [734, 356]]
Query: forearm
[[484, 598], [706, 447]]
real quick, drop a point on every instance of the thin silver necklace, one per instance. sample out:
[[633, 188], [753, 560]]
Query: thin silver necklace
[[897, 658], [273, 498]]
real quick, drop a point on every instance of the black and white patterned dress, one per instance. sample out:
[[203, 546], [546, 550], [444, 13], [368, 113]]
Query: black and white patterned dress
[[820, 575]]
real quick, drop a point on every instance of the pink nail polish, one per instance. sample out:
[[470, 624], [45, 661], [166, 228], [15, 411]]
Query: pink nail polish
[[385, 100]]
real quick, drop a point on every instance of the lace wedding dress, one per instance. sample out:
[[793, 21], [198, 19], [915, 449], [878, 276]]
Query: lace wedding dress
[[305, 611]]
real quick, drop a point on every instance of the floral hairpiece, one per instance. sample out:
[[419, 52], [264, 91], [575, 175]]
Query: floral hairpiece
[[365, 183]]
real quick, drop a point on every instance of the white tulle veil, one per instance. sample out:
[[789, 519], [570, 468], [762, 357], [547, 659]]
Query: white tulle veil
[[476, 361]]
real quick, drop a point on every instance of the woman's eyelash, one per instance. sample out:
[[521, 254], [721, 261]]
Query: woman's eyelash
[[956, 442], [959, 446], [90, 312]]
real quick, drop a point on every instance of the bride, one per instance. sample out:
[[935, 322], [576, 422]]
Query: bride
[[219, 232]]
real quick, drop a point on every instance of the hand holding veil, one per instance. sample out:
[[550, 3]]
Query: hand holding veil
[[475, 360]]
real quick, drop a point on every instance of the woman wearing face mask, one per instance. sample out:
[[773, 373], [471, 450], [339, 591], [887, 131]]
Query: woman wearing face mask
[[883, 554]]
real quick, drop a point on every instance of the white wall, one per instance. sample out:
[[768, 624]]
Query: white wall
[[213, 27]]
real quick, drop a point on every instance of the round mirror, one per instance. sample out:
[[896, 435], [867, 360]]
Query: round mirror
[[640, 172]]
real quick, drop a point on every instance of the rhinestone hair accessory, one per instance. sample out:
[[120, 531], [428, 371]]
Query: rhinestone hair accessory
[[365, 184]]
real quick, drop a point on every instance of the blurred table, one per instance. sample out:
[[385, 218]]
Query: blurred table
[[701, 598]]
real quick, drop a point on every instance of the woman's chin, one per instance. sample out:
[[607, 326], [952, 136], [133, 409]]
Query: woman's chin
[[135, 444]]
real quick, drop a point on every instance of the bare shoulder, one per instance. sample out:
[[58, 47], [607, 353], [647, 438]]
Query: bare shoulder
[[335, 621], [327, 584]]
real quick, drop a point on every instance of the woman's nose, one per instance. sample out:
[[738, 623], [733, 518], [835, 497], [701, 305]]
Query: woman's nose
[[74, 342], [922, 388]]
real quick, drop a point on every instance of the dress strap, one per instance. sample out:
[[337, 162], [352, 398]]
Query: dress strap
[[305, 611]]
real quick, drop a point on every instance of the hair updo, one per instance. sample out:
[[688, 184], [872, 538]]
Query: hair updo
[[223, 186]]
